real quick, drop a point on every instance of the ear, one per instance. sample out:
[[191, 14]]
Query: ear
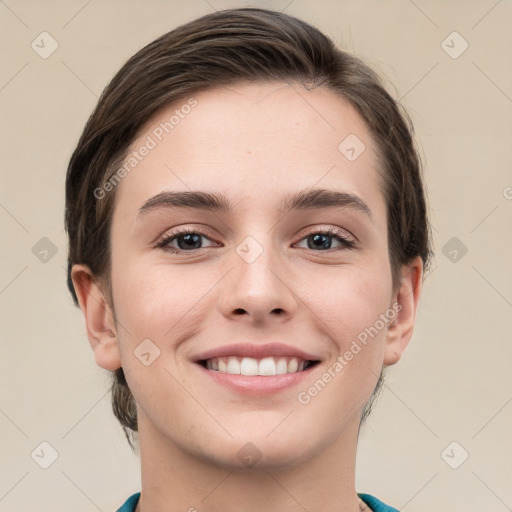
[[99, 319], [405, 302]]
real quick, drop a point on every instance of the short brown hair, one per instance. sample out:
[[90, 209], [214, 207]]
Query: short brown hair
[[222, 48]]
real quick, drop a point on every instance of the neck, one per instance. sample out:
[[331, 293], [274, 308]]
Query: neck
[[175, 481]]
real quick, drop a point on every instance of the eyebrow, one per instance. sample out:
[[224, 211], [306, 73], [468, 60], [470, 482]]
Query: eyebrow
[[303, 200]]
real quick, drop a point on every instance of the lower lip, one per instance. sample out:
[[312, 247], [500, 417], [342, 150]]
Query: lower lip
[[258, 385]]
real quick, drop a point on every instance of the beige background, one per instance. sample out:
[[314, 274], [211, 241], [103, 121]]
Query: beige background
[[454, 383]]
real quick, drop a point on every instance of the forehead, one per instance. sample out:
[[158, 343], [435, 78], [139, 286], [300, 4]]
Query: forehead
[[252, 139]]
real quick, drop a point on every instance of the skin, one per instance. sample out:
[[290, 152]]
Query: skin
[[254, 144]]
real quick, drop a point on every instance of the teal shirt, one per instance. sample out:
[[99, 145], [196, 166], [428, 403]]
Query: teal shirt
[[374, 504]]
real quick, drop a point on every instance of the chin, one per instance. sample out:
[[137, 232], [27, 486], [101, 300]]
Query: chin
[[261, 454]]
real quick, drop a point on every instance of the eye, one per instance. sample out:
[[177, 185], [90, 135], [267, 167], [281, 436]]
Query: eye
[[322, 239], [190, 240], [187, 240]]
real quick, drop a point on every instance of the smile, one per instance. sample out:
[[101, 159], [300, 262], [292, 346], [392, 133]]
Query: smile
[[256, 369], [249, 366]]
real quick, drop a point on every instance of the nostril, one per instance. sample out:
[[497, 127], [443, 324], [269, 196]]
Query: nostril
[[239, 311]]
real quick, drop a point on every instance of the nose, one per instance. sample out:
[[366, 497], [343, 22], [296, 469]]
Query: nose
[[260, 290]]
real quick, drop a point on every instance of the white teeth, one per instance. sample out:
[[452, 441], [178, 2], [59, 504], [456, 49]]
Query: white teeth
[[249, 366], [233, 366], [281, 366], [267, 366], [293, 365]]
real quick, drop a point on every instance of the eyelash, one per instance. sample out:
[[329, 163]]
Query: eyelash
[[336, 233]]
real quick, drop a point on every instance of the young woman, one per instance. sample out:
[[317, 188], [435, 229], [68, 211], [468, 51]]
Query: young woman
[[248, 237]]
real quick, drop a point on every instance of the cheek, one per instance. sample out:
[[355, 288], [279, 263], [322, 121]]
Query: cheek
[[158, 301], [350, 306], [351, 299]]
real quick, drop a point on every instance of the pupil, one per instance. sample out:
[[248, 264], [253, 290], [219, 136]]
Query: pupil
[[190, 239], [318, 238]]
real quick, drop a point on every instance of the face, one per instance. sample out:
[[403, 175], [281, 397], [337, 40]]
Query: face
[[262, 318]]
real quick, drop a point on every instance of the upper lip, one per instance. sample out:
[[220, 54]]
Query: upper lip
[[256, 351]]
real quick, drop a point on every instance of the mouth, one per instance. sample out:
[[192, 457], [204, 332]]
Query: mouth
[[256, 369], [249, 366]]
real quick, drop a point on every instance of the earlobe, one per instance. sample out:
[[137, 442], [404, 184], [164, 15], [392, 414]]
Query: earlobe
[[405, 303], [98, 316]]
